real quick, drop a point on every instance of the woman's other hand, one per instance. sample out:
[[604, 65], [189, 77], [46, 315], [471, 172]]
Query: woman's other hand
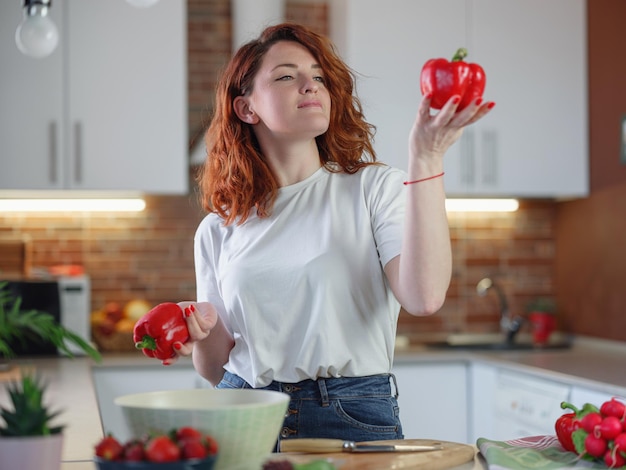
[[201, 317]]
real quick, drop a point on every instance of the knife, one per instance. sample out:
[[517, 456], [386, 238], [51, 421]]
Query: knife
[[321, 446]]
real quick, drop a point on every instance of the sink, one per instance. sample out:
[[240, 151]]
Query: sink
[[497, 342]]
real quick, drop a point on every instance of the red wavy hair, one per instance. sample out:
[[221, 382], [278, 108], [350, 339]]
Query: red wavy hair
[[235, 176]]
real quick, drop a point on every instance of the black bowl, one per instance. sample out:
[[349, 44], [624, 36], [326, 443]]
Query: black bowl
[[195, 464]]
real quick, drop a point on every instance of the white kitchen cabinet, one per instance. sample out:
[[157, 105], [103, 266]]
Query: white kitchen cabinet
[[107, 110], [433, 400], [581, 395], [534, 143], [113, 382], [506, 404], [481, 399]]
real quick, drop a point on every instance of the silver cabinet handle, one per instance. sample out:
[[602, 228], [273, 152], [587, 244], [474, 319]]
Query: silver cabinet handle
[[78, 152], [489, 167], [53, 157], [468, 157]]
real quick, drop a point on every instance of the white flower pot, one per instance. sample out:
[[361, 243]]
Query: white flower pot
[[31, 452]]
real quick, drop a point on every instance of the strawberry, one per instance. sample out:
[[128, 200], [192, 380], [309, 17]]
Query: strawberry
[[211, 445], [162, 449], [134, 451], [192, 449], [187, 432], [109, 448]]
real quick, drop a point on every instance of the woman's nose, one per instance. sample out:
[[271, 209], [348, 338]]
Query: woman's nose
[[310, 86]]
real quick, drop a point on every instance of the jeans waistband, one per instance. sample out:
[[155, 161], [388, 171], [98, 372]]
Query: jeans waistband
[[325, 389]]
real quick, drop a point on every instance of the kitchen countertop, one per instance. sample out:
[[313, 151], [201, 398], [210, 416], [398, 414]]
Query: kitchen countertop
[[591, 363]]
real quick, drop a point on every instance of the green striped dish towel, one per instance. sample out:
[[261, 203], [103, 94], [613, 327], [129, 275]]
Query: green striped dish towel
[[533, 452]]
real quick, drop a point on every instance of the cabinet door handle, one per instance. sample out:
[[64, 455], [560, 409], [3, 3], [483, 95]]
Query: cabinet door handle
[[489, 171], [468, 157], [53, 157], [78, 152]]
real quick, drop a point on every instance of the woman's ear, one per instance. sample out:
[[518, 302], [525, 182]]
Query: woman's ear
[[243, 110]]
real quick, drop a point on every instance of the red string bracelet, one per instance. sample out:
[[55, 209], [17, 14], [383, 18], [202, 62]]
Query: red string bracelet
[[424, 179]]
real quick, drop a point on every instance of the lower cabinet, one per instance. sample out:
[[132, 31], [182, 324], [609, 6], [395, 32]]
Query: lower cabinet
[[112, 382], [481, 390], [582, 395], [507, 404], [433, 400]]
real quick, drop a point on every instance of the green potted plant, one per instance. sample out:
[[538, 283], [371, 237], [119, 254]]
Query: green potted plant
[[28, 439], [17, 324], [542, 317]]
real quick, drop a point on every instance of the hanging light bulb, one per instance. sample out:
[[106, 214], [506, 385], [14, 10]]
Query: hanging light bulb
[[36, 36], [142, 3]]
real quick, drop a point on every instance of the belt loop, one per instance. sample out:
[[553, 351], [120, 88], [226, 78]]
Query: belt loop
[[395, 386], [321, 383]]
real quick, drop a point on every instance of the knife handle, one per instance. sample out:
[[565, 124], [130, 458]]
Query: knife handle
[[313, 445]]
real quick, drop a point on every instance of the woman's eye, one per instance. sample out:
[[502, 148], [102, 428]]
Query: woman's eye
[[285, 78], [319, 79]]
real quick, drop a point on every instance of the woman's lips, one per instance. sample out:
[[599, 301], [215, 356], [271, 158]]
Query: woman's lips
[[310, 104]]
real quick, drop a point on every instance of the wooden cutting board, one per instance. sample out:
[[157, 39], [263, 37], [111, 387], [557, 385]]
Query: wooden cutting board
[[452, 455]]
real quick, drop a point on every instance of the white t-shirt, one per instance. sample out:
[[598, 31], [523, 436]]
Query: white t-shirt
[[303, 292]]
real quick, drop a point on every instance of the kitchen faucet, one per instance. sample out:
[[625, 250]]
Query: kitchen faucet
[[509, 326]]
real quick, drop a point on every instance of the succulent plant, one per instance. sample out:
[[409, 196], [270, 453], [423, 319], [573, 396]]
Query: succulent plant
[[17, 325], [29, 417]]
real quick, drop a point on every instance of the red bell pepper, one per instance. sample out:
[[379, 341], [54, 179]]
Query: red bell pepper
[[156, 332], [566, 424], [444, 79]]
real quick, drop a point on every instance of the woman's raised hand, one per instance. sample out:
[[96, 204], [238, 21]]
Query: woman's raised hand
[[432, 134]]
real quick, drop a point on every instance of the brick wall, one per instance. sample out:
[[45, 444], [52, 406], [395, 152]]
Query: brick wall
[[150, 254]]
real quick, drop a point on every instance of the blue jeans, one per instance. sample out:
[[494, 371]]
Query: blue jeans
[[355, 409]]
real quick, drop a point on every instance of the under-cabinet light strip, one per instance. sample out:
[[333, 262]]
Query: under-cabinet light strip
[[482, 205], [72, 205], [137, 204]]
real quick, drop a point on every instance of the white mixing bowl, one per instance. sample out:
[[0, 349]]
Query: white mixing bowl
[[244, 422]]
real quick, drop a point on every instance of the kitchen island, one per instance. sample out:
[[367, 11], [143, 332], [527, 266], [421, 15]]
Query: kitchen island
[[593, 364]]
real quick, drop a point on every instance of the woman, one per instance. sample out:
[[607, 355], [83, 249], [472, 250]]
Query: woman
[[310, 246]]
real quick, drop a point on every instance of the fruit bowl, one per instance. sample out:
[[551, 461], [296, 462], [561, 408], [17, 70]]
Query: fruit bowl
[[203, 464], [244, 422]]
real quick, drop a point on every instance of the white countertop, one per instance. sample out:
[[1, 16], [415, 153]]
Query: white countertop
[[595, 364], [592, 363]]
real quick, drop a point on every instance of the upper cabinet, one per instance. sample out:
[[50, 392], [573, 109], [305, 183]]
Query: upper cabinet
[[107, 110], [535, 141]]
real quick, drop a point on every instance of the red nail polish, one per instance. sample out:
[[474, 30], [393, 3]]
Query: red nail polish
[[456, 99], [165, 363], [491, 105], [177, 345], [192, 308], [478, 101], [186, 311]]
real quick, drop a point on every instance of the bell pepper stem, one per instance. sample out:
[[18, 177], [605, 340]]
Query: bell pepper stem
[[568, 406], [460, 54], [147, 342]]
